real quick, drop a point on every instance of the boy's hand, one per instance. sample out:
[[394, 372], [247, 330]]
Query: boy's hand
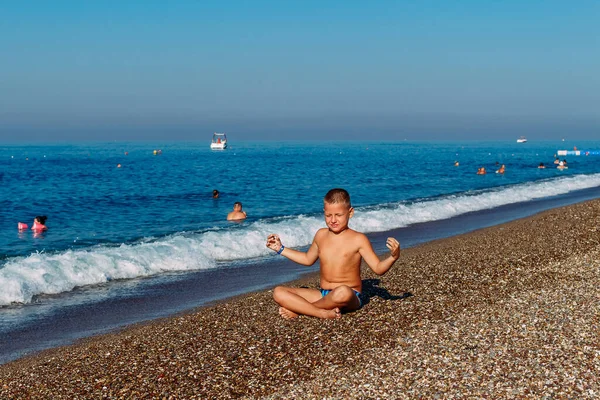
[[394, 247], [273, 242]]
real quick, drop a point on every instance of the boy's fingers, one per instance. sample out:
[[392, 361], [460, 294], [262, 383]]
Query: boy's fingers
[[393, 245]]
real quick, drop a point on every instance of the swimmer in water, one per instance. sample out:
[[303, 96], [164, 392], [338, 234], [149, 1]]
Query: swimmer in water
[[562, 164], [39, 223], [237, 213]]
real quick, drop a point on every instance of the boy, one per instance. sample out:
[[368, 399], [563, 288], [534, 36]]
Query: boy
[[339, 250]]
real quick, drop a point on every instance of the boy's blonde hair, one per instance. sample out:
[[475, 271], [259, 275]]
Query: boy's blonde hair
[[337, 196]]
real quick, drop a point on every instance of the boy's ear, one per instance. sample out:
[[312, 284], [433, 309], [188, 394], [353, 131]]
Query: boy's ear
[[351, 212]]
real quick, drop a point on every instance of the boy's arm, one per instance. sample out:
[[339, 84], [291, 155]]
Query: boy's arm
[[308, 258], [380, 267]]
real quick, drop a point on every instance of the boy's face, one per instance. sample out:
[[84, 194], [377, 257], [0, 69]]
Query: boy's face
[[337, 216]]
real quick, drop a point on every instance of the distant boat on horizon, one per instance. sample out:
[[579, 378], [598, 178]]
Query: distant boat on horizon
[[522, 139], [219, 141]]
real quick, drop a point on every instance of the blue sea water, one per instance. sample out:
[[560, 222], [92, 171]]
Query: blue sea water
[[155, 216]]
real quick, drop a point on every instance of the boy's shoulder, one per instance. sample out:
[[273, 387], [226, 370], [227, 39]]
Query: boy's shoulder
[[356, 234], [321, 232]]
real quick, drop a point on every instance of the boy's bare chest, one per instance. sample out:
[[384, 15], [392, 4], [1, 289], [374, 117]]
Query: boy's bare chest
[[337, 251]]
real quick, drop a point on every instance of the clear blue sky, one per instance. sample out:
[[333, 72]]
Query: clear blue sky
[[157, 70]]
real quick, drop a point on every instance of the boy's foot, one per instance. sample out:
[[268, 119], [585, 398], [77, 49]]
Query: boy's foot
[[332, 314], [327, 314], [287, 314]]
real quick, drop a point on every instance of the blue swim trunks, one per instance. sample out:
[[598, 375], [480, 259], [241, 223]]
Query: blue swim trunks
[[325, 292]]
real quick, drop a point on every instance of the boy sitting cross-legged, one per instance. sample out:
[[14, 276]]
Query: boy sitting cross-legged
[[340, 250]]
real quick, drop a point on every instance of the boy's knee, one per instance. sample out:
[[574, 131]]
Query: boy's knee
[[278, 292], [342, 294]]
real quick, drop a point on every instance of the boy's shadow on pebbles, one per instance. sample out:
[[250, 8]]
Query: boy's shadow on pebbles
[[371, 289]]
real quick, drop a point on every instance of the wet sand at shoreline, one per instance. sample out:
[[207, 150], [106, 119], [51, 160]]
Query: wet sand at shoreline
[[511, 311]]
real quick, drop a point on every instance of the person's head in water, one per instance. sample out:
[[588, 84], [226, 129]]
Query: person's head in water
[[337, 210], [40, 219], [215, 194], [237, 212]]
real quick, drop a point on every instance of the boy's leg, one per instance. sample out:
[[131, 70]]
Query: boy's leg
[[342, 297], [294, 301]]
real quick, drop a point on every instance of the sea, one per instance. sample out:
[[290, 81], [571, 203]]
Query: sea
[[134, 233]]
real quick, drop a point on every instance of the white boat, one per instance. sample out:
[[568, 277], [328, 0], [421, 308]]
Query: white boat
[[219, 141], [522, 139]]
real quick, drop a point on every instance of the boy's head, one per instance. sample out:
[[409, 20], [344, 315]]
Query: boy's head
[[337, 210], [237, 206], [338, 196]]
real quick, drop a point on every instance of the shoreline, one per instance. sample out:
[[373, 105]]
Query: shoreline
[[54, 322], [505, 311]]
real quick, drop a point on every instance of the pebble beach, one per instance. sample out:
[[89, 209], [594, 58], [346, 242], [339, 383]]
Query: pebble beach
[[511, 311]]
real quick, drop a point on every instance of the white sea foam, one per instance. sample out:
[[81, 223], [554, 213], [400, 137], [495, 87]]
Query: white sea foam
[[21, 278]]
